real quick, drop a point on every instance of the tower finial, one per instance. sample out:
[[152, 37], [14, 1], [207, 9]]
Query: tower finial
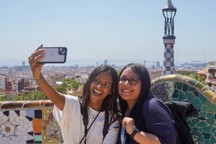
[[169, 6]]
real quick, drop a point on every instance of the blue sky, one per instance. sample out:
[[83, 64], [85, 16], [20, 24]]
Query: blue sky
[[107, 29]]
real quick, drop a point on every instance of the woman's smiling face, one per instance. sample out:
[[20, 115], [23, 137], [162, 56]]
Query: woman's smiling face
[[129, 85], [99, 89]]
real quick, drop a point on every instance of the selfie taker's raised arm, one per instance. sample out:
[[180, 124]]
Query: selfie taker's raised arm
[[57, 98]]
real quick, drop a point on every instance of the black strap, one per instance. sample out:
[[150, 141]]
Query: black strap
[[87, 129], [86, 120], [106, 125]]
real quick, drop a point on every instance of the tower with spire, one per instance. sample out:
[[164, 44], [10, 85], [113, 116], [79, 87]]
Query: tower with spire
[[169, 12]]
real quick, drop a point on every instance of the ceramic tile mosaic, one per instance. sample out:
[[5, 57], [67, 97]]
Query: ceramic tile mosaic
[[50, 129], [28, 122], [203, 126]]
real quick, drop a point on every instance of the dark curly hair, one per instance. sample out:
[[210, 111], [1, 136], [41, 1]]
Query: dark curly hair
[[109, 105]]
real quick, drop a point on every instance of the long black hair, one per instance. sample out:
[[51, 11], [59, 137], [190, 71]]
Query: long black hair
[[109, 104], [144, 77]]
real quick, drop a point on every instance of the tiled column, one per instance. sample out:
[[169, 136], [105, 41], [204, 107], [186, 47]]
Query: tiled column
[[168, 63]]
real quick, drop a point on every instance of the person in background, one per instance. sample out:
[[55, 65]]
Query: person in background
[[88, 119], [145, 119]]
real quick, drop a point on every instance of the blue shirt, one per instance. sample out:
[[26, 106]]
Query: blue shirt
[[157, 120]]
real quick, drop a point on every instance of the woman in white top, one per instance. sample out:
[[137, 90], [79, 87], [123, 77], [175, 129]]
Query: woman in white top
[[92, 118]]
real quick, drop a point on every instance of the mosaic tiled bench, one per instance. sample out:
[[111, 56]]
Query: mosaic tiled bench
[[31, 122], [28, 122], [183, 88]]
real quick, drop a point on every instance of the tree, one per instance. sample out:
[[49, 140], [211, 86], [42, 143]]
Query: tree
[[3, 98], [194, 75], [67, 84], [38, 95]]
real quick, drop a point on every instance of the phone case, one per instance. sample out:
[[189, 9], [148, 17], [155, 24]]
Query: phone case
[[54, 55]]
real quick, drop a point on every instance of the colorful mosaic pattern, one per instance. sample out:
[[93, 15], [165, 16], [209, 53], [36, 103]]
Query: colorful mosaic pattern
[[183, 88], [23, 123], [50, 130]]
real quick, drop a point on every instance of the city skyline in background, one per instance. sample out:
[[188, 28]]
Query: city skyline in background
[[120, 31]]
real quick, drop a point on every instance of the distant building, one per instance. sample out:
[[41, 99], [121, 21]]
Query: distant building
[[20, 85], [203, 73], [157, 64], [23, 64], [105, 62], [76, 66], [8, 84], [211, 77], [2, 81], [209, 74]]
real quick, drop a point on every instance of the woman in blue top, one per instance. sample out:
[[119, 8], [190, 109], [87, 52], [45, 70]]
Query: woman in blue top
[[145, 119]]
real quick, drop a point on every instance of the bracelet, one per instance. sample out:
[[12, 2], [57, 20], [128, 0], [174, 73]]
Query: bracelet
[[134, 132], [38, 80]]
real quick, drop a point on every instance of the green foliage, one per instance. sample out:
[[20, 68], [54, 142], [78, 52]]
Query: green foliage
[[67, 84], [61, 88], [71, 83], [3, 98], [38, 95], [194, 75]]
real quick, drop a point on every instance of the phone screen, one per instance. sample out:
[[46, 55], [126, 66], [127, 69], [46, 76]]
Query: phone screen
[[54, 55]]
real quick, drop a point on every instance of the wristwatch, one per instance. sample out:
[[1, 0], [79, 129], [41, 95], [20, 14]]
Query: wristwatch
[[134, 132]]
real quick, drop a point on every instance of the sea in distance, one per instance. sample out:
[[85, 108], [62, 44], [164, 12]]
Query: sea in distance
[[92, 62], [73, 62]]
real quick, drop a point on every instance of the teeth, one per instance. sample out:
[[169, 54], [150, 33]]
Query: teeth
[[124, 90], [97, 91]]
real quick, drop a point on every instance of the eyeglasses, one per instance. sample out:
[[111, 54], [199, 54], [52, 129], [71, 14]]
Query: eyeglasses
[[103, 85], [131, 81]]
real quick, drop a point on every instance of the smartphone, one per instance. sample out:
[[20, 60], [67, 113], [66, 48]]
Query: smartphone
[[54, 55]]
